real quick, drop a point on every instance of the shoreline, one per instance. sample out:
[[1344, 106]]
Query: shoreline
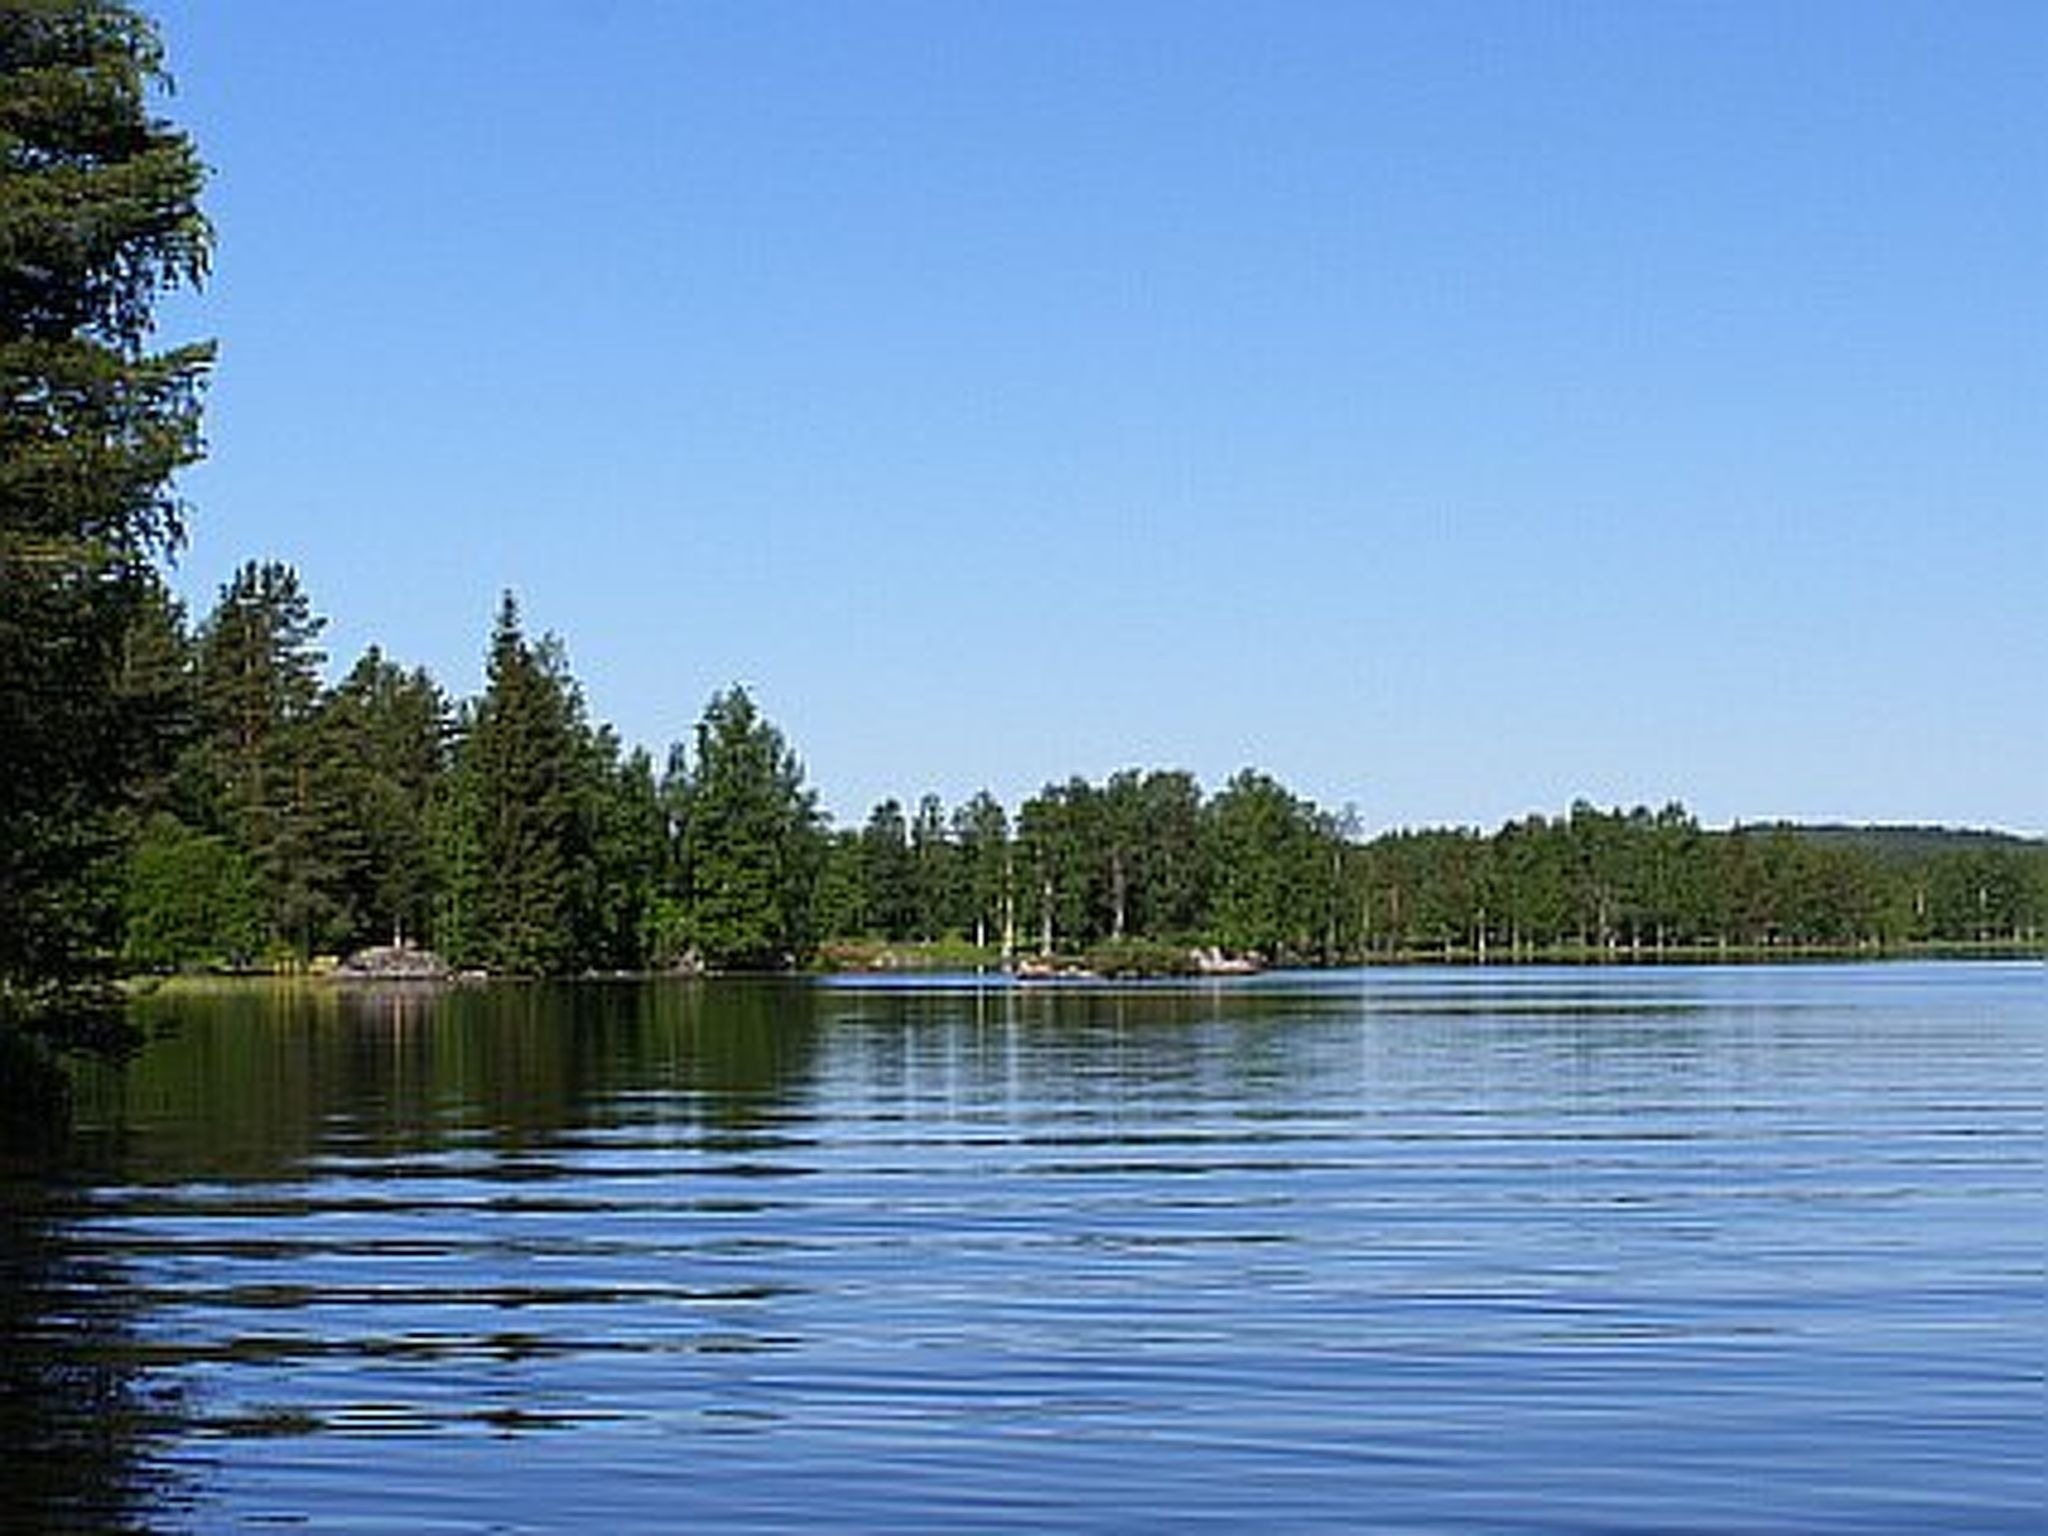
[[907, 962]]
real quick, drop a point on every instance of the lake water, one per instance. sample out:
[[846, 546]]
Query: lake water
[[1673, 1250]]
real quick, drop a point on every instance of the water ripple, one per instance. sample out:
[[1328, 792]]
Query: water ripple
[[1574, 1251]]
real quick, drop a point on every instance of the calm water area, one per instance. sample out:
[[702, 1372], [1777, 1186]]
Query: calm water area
[[1576, 1250]]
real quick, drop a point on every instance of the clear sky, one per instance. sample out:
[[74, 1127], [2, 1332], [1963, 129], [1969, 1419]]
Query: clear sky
[[1452, 409]]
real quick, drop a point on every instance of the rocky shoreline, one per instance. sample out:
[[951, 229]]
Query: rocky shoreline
[[402, 961]]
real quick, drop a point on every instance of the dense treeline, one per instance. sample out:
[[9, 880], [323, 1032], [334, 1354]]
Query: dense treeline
[[508, 832], [513, 835], [1256, 869], [1613, 881]]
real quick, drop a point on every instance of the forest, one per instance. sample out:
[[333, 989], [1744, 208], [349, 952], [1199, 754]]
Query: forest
[[513, 835]]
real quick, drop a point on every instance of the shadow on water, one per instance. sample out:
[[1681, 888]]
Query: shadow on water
[[252, 1083], [255, 1083], [80, 1420], [107, 1343]]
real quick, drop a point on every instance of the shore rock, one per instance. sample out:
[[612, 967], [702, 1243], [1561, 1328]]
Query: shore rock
[[394, 962]]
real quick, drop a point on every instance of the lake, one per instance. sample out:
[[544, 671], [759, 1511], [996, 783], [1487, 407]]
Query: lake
[[1575, 1250]]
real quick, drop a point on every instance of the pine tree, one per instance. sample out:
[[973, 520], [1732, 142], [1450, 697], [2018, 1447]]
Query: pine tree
[[887, 876], [259, 683], [839, 900], [379, 749], [629, 856], [526, 821], [751, 841], [98, 216], [933, 876]]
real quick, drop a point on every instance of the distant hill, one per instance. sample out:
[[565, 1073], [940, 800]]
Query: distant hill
[[1906, 844]]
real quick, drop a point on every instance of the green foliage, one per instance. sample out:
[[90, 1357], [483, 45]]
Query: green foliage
[[1162, 837], [1056, 848], [98, 216], [887, 888], [839, 902], [933, 871], [751, 842], [191, 900], [543, 850], [624, 876], [1269, 868], [378, 748], [981, 833], [1140, 957], [1609, 883], [527, 819], [258, 663], [1255, 869]]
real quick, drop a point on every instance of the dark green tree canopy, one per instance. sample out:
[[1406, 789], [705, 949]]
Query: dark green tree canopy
[[751, 840], [259, 657], [887, 872], [258, 666], [379, 748], [98, 216], [522, 760]]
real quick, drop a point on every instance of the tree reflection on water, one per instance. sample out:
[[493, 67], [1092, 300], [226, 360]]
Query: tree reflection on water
[[81, 1420]]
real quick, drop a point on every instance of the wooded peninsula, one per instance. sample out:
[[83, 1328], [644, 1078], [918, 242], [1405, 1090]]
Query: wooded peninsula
[[512, 835]]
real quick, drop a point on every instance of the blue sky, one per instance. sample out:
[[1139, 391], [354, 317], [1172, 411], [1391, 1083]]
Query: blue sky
[[1452, 409]]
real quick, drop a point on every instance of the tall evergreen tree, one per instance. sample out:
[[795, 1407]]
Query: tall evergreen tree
[[629, 856], [932, 870], [259, 682], [888, 877], [379, 747], [98, 216], [839, 901], [751, 841], [525, 816]]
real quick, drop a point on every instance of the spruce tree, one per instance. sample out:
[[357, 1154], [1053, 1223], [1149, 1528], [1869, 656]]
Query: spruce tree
[[380, 747], [519, 764], [934, 873], [629, 856], [751, 841], [259, 683], [888, 876], [98, 216]]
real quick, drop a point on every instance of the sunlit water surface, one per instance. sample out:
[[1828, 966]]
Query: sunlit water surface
[[1509, 1250]]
